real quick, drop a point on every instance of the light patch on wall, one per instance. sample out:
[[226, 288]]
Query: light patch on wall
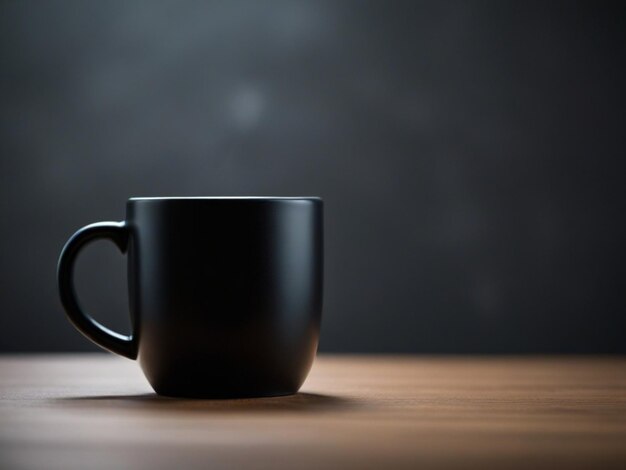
[[246, 107], [486, 296]]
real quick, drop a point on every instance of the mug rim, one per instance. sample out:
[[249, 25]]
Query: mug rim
[[225, 198]]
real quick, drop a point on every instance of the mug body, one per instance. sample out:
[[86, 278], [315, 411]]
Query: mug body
[[225, 293]]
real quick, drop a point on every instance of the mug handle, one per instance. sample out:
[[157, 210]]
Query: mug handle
[[118, 233]]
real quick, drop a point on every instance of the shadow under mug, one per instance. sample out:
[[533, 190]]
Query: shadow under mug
[[225, 293]]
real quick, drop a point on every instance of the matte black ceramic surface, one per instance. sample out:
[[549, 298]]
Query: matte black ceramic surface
[[225, 293]]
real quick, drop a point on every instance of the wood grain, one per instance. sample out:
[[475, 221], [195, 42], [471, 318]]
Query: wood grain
[[97, 411]]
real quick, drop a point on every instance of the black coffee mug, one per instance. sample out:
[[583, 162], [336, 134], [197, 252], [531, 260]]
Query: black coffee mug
[[225, 293]]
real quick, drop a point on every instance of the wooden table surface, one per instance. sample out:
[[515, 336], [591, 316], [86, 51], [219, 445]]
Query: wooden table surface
[[97, 411]]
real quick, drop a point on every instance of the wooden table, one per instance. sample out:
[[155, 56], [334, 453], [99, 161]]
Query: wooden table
[[97, 411]]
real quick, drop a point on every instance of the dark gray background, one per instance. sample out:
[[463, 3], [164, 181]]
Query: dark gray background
[[469, 154]]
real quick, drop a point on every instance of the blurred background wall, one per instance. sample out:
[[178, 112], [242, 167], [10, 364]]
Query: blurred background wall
[[470, 155]]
